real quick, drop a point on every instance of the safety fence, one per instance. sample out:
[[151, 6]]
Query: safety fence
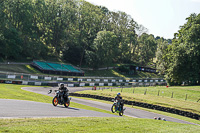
[[28, 77], [77, 84], [145, 105]]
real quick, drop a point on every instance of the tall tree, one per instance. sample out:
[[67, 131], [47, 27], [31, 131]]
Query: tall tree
[[183, 54], [89, 22], [161, 63], [104, 49], [147, 48]]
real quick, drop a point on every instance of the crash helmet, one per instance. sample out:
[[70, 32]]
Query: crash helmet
[[61, 85], [118, 94]]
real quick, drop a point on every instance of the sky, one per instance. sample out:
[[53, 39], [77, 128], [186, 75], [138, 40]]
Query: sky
[[161, 17]]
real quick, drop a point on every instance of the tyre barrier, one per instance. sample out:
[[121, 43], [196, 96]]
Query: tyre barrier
[[10, 82], [144, 105]]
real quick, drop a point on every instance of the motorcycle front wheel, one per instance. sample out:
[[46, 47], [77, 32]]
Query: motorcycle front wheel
[[113, 109], [55, 101]]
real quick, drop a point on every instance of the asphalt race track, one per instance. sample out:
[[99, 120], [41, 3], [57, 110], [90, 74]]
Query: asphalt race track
[[29, 109], [137, 113]]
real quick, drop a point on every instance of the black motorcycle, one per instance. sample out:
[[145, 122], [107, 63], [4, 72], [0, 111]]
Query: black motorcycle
[[62, 97], [118, 107]]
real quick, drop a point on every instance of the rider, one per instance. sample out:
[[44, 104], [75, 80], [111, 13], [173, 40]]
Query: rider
[[119, 98], [63, 90]]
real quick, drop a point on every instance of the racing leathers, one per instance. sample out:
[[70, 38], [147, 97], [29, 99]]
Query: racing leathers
[[119, 101], [63, 92]]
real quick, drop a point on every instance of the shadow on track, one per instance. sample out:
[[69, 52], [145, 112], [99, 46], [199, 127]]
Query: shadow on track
[[71, 108]]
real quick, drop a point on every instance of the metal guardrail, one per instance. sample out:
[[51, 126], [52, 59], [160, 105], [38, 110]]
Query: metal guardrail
[[83, 77], [22, 76], [76, 84], [15, 63]]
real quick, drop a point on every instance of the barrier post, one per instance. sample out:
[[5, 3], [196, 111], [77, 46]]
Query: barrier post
[[198, 100], [145, 92], [186, 97]]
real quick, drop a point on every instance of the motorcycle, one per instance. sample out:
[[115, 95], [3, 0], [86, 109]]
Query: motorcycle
[[118, 107], [59, 99]]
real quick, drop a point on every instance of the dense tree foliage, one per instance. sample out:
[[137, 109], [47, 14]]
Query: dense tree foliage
[[103, 50], [147, 48], [72, 31], [180, 61], [81, 33]]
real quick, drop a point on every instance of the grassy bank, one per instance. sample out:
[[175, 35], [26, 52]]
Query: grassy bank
[[91, 125], [115, 73], [28, 69], [11, 91], [164, 99]]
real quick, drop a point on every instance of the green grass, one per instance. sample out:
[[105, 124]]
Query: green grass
[[91, 125], [32, 69], [164, 99], [11, 91], [28, 69], [19, 68], [115, 73], [103, 73]]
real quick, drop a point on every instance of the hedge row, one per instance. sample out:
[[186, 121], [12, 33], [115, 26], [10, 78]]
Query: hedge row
[[145, 105]]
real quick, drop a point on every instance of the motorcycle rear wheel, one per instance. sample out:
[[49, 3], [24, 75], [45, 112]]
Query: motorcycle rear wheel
[[113, 109], [121, 113], [67, 104], [55, 101]]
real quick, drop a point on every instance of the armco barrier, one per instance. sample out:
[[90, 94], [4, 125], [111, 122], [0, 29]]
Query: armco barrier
[[22, 76], [76, 84], [145, 105]]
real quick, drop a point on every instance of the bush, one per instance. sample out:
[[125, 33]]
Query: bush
[[124, 69]]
